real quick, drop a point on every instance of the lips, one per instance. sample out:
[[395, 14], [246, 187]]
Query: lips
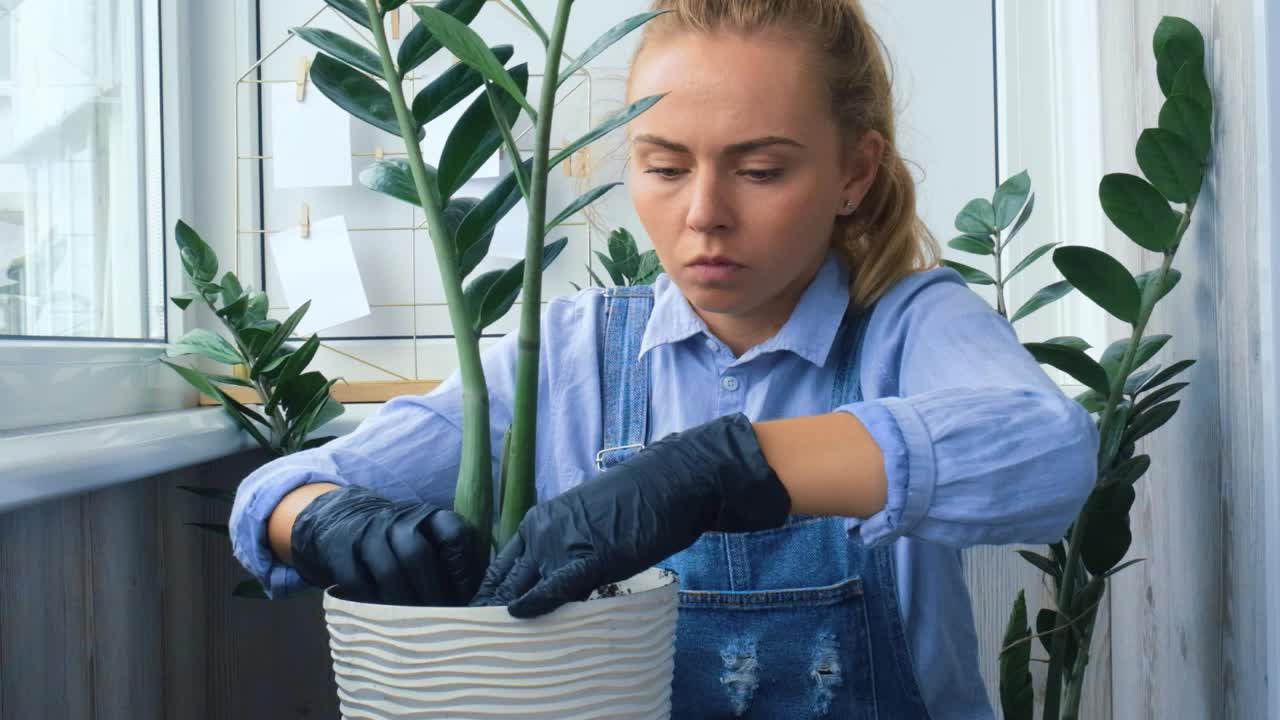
[[713, 269], [713, 261]]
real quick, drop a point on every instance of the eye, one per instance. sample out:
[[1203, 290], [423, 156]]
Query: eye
[[665, 173], [762, 176]]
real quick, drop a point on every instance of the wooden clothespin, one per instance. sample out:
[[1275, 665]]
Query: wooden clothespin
[[304, 221], [395, 24], [304, 66], [377, 152]]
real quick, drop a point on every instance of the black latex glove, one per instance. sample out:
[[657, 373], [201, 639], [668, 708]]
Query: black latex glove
[[710, 478], [394, 553]]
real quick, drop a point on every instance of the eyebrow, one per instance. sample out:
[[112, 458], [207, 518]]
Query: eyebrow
[[741, 148]]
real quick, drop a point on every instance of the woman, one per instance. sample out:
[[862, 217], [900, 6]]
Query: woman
[[828, 419]]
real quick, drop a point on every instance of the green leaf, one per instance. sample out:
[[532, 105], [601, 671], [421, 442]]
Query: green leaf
[[297, 432], [491, 295], [1128, 472], [240, 415], [1191, 82], [1017, 699], [1168, 374], [195, 377], [1158, 396], [1171, 163], [1071, 342], [1010, 197], [978, 218], [604, 42], [452, 87], [251, 589], [474, 234], [1046, 565], [1147, 349], [624, 253], [356, 93], [582, 202], [225, 496], [198, 259], [234, 313], [1139, 210], [1176, 42], [318, 442], [1171, 282], [1071, 361], [627, 114], [1123, 566], [615, 273], [354, 9], [1185, 117], [1109, 537], [477, 136], [256, 312], [328, 411], [1030, 259], [342, 48], [1110, 440], [209, 344], [974, 244], [469, 48], [183, 300], [1138, 379], [595, 279], [394, 178], [215, 528], [1092, 401], [1102, 279], [650, 268], [231, 289], [298, 392], [971, 275], [1045, 296], [1022, 219], [297, 362], [267, 351], [1150, 420], [421, 43]]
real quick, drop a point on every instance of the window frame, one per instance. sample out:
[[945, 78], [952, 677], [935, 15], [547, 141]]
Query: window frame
[[70, 380]]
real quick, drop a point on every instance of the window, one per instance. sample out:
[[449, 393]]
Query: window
[[81, 253]]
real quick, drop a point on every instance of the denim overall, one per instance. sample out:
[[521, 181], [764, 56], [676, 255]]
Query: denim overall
[[797, 622]]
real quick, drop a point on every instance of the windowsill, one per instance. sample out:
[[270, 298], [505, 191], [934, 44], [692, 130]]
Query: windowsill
[[57, 460]]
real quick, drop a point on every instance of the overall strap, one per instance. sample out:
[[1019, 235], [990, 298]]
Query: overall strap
[[624, 377], [848, 354]]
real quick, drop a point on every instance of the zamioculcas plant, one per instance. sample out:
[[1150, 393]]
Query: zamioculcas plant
[[624, 263], [369, 82], [1128, 397], [293, 403]]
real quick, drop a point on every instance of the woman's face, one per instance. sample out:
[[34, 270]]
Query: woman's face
[[739, 173]]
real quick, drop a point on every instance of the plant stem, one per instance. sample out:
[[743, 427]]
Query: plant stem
[[1074, 564], [520, 487], [1000, 307], [473, 496]]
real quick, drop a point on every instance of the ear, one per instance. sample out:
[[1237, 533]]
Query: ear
[[861, 166]]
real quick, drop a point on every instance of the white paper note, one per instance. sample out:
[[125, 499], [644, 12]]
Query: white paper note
[[437, 133], [512, 233], [321, 268], [310, 140]]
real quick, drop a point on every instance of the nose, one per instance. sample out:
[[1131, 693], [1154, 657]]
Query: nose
[[709, 211]]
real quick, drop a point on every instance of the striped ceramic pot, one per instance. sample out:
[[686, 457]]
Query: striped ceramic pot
[[610, 657]]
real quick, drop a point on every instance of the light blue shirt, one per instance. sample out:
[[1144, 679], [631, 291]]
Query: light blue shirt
[[980, 446]]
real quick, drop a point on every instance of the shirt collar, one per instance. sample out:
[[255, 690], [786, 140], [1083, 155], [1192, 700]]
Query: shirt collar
[[809, 332]]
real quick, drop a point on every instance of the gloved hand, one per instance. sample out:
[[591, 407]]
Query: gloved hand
[[394, 553], [713, 477]]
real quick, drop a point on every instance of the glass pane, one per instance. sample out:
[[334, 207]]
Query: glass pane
[[75, 239]]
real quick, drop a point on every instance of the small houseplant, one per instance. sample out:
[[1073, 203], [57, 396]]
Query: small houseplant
[[387, 659], [1128, 397]]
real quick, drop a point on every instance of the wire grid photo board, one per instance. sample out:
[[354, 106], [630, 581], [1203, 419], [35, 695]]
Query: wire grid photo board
[[405, 344]]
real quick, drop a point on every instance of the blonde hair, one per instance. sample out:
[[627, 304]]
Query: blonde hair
[[884, 239]]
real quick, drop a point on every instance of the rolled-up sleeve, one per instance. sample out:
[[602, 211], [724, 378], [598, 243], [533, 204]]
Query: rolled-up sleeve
[[979, 445]]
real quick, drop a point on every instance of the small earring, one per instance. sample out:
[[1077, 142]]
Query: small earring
[[849, 207]]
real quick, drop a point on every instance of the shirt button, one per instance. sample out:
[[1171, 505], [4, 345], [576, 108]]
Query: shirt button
[[729, 383], [712, 345]]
